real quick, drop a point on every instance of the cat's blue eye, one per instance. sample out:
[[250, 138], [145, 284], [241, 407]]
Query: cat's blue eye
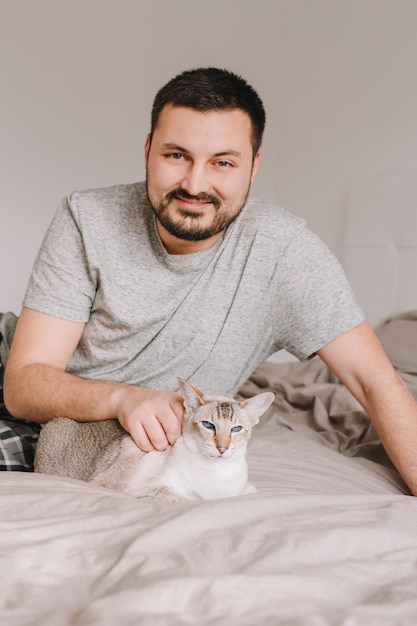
[[236, 429], [208, 425]]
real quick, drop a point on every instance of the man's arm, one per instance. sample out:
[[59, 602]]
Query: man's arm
[[37, 387], [359, 361]]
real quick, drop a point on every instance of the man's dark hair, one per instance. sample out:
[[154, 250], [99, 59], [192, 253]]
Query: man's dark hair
[[212, 89]]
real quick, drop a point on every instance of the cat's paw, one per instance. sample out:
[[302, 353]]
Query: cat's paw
[[163, 494]]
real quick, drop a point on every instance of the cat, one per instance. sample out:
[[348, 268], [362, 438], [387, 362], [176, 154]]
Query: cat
[[207, 462]]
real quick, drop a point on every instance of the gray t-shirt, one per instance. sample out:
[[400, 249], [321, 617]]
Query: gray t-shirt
[[209, 317]]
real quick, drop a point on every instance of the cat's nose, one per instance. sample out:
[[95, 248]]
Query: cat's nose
[[221, 449]]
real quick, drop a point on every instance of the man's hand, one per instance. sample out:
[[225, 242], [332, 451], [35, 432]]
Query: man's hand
[[152, 418]]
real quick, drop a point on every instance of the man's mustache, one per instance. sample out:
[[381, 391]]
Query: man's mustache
[[201, 197]]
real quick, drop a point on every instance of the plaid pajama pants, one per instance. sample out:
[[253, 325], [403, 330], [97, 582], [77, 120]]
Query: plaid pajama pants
[[17, 440], [17, 444], [17, 437]]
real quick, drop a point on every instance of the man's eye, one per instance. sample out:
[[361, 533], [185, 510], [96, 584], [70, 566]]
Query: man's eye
[[224, 164], [175, 155]]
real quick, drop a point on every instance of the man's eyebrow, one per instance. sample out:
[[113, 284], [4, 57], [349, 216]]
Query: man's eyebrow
[[173, 146], [230, 152]]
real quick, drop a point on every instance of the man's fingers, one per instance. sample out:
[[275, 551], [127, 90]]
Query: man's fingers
[[140, 438], [154, 421], [177, 406], [173, 427], [150, 435], [156, 432]]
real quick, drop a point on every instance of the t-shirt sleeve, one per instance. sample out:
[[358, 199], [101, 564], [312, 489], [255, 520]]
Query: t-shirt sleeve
[[319, 302], [62, 283]]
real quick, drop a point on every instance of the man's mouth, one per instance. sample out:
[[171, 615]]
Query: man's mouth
[[193, 203]]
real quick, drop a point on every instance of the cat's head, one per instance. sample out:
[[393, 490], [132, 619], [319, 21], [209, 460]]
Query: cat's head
[[218, 426]]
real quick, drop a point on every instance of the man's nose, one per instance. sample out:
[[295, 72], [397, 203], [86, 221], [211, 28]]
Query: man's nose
[[195, 180]]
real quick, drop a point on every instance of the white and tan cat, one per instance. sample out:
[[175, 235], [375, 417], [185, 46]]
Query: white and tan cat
[[208, 461]]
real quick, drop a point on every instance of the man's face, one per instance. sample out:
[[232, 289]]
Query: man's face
[[199, 170]]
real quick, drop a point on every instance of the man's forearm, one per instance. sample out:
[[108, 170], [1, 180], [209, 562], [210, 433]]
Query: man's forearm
[[358, 359], [41, 392], [393, 411], [37, 386]]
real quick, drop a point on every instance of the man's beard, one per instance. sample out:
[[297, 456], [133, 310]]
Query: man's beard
[[185, 225]]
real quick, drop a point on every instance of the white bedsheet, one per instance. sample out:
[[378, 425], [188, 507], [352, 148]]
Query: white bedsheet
[[329, 539]]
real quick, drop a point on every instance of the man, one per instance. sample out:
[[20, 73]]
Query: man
[[187, 277]]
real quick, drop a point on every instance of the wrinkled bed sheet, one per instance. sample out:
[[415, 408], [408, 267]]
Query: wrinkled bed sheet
[[329, 539]]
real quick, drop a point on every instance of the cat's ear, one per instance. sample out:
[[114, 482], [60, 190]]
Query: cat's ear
[[256, 406], [193, 398]]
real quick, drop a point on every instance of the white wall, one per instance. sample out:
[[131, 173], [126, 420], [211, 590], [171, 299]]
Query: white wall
[[347, 102], [78, 78]]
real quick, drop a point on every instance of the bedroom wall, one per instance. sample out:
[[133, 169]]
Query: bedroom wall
[[347, 102], [78, 78]]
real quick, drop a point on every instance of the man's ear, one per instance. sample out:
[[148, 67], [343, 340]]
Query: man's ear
[[255, 166], [147, 147]]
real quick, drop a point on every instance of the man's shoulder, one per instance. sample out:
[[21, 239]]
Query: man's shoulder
[[271, 219], [116, 194]]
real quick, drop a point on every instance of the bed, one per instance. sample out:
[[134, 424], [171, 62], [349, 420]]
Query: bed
[[328, 539]]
